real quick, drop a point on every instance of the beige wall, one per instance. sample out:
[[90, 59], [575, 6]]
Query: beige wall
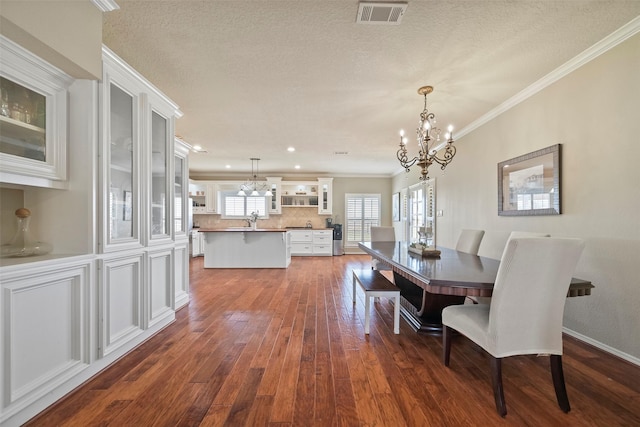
[[67, 34], [593, 113]]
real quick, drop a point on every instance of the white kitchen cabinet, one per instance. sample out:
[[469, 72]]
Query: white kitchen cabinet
[[275, 203], [197, 194], [33, 119], [211, 198], [322, 242], [205, 197], [197, 243], [325, 196], [301, 242], [311, 242]]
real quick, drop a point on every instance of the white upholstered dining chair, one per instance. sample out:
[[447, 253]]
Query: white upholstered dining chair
[[525, 315], [382, 234], [469, 241], [493, 245]]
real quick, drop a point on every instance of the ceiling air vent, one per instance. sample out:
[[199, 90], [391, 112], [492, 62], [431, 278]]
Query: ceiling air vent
[[380, 13]]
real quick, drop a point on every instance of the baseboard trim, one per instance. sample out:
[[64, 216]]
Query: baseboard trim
[[622, 355]]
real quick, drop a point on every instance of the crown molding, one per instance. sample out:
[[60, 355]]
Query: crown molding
[[612, 40], [105, 5]]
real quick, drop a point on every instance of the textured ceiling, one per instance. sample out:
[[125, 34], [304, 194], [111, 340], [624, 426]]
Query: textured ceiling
[[255, 77]]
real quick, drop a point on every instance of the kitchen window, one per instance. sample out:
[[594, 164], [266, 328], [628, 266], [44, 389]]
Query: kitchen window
[[362, 212], [234, 206]]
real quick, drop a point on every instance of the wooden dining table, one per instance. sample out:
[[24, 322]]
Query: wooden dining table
[[428, 284]]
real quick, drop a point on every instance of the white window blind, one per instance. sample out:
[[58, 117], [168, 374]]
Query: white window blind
[[362, 212], [242, 206]]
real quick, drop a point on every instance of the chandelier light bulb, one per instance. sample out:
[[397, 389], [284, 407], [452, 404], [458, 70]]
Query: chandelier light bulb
[[401, 132]]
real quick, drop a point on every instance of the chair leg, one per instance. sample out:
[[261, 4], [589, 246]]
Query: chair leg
[[558, 382], [446, 344], [496, 379]]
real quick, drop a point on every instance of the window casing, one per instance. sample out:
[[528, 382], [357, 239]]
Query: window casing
[[362, 212], [240, 207]]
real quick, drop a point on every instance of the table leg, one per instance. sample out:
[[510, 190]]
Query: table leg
[[424, 309]]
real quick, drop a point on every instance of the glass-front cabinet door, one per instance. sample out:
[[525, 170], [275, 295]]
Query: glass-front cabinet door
[[122, 168], [274, 184], [33, 119], [160, 190], [22, 121], [180, 187], [325, 195]]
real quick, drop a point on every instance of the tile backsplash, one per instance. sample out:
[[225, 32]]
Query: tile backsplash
[[290, 217]]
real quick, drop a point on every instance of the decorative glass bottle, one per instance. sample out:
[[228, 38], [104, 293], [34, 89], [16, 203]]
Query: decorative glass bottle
[[23, 244]]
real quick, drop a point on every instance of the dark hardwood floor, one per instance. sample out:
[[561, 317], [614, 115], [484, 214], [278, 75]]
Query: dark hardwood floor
[[287, 348]]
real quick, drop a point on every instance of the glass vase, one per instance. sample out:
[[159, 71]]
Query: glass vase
[[23, 244]]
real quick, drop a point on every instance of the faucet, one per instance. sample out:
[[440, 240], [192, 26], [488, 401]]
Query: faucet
[[308, 225]]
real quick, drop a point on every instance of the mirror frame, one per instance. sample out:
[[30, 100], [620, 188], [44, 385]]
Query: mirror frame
[[549, 182]]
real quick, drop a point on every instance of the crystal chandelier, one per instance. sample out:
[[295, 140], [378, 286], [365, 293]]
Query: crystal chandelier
[[252, 187], [428, 142]]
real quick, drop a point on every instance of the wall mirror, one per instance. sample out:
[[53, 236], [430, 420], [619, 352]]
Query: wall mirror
[[530, 184]]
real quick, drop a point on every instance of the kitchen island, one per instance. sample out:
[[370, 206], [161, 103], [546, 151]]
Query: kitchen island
[[245, 247]]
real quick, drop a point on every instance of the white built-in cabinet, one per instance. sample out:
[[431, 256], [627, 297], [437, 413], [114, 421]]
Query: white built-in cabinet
[[33, 119], [115, 210], [181, 223], [138, 202]]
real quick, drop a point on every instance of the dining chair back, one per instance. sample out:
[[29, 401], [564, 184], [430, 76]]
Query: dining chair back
[[382, 234], [525, 315], [492, 249], [469, 241], [493, 243]]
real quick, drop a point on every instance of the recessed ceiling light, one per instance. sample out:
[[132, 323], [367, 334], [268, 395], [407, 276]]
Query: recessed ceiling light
[[291, 149], [297, 166], [227, 166], [198, 149]]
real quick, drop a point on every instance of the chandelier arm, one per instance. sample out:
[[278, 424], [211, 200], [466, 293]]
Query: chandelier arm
[[404, 159], [448, 155]]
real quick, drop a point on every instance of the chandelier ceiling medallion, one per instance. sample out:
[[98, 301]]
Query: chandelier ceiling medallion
[[428, 142], [252, 186]]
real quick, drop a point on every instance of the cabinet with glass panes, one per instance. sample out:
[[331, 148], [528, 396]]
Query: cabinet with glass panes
[[33, 119]]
